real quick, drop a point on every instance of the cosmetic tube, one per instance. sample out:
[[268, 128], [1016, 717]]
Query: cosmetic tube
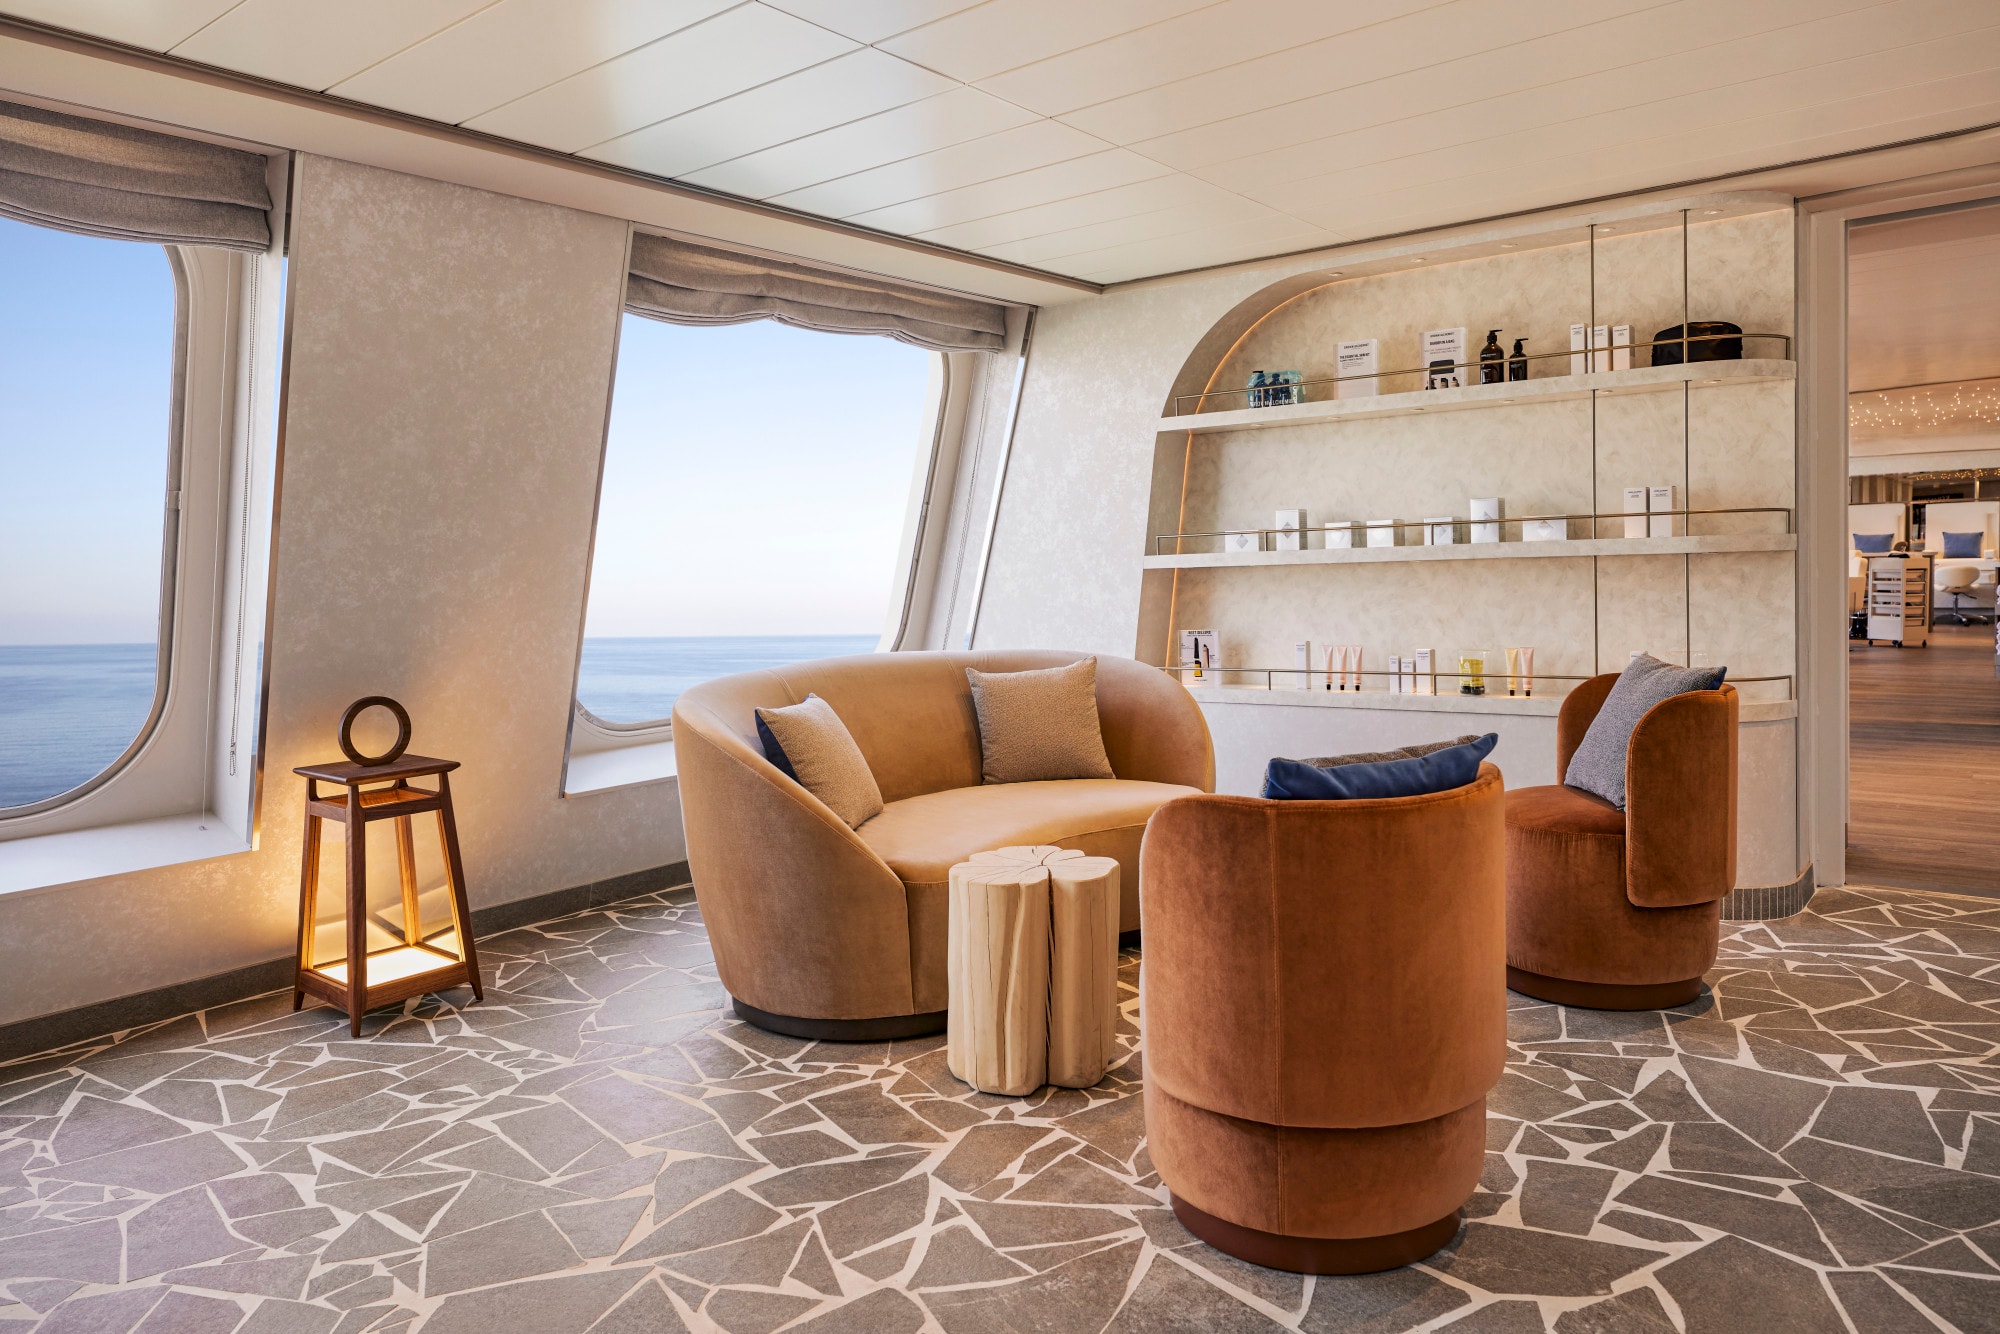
[[1331, 651], [1527, 671], [1513, 671]]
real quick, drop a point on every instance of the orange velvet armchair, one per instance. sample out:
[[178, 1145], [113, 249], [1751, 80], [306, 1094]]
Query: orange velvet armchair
[[1324, 1012], [1621, 910]]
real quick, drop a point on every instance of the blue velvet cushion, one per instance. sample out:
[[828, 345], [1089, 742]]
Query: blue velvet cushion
[[1873, 544], [1439, 771], [1964, 544]]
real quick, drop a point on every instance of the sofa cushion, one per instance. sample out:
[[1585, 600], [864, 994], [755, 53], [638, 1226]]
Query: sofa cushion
[[1038, 725], [1598, 766], [809, 743], [1438, 770]]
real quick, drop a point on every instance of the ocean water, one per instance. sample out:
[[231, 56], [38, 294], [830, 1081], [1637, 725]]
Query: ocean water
[[67, 711], [638, 680]]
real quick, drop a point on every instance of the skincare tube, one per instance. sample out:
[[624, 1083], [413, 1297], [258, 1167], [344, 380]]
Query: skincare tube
[[1513, 671], [1331, 650], [1528, 671]]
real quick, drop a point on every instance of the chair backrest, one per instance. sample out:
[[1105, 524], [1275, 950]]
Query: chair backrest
[[1326, 963], [1680, 791], [912, 715], [1957, 578]]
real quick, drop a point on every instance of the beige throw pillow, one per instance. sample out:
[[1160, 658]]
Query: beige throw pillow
[[815, 748], [1039, 725]]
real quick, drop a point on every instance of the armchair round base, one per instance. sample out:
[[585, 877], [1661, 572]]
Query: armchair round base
[[1318, 1255], [884, 1029], [1603, 995]]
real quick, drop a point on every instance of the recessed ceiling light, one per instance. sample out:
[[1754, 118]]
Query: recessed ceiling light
[[1604, 228], [1712, 212], [1507, 245], [1419, 260], [1506, 400], [1416, 409], [1336, 274]]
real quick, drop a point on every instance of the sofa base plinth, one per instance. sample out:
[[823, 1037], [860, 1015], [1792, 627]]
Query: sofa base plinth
[[1602, 995], [887, 1028], [1318, 1255]]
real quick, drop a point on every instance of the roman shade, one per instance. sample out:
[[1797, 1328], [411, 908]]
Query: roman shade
[[100, 179], [684, 283]]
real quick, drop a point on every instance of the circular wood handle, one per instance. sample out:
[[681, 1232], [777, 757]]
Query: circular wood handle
[[355, 710]]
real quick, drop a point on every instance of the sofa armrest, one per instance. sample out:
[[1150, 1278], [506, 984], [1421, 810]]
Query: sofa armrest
[[1153, 730], [805, 920], [1579, 709], [1680, 801]]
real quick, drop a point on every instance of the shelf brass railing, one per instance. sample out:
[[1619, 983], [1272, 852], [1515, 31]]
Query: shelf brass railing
[[1490, 674], [1362, 527], [1294, 392]]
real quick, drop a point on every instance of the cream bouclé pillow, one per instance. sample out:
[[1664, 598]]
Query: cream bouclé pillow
[[1039, 725], [814, 749]]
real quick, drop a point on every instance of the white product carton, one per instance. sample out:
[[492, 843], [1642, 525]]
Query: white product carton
[[1396, 679], [1235, 543], [1621, 347], [1291, 534], [1340, 535], [1302, 658], [1545, 530], [1600, 343], [1381, 532], [1484, 509], [1441, 531], [1361, 358], [1662, 504], [1422, 682], [1199, 649], [1635, 511], [1444, 345], [1579, 349]]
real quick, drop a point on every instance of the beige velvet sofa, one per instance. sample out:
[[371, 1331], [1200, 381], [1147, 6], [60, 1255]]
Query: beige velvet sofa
[[828, 932]]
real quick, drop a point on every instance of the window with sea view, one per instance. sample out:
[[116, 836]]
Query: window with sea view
[[756, 478], [86, 399]]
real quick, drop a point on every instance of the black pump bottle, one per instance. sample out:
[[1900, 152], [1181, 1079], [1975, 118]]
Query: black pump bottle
[[1517, 365], [1491, 359]]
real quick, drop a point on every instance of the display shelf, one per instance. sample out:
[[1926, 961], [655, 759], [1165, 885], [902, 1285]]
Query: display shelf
[[1570, 550], [1550, 389], [1524, 706]]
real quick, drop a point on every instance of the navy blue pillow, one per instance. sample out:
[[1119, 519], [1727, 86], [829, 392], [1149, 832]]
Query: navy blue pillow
[[1873, 544], [1439, 771], [774, 752], [1964, 545]]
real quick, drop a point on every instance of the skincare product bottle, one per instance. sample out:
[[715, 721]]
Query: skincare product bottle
[[1621, 347], [1517, 365], [1425, 681], [1579, 349], [1472, 671], [1513, 671], [1302, 657], [1527, 671], [1660, 500], [1635, 511], [1354, 667], [1333, 651], [1492, 359], [1600, 342]]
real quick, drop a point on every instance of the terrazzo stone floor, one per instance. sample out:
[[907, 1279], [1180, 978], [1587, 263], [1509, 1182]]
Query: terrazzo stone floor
[[1815, 1146]]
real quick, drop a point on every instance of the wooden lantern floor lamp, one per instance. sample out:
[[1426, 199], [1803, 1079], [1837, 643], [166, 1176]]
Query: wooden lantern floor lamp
[[361, 980]]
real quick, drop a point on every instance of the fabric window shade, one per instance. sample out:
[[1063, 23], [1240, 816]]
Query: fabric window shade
[[683, 283], [102, 179]]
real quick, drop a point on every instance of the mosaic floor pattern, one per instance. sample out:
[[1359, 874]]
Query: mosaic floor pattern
[[1814, 1147]]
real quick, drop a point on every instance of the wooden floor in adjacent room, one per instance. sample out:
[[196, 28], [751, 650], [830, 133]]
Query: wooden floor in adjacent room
[[1924, 805]]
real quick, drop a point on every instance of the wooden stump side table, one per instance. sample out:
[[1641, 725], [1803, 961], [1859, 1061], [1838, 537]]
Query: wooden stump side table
[[361, 980], [1032, 964]]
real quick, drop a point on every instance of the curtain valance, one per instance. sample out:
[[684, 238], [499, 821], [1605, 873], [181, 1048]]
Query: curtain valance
[[102, 179], [684, 283]]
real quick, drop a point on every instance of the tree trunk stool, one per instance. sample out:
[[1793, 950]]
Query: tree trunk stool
[[1032, 959]]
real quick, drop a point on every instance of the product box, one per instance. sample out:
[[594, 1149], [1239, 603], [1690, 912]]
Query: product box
[[1362, 358], [1422, 682], [1302, 658], [1339, 535], [1545, 530], [1291, 534], [1488, 508], [1381, 532], [1441, 531], [1579, 349], [1236, 543], [1621, 347], [1448, 346], [1662, 504], [1199, 649], [1600, 345], [1396, 675], [1635, 511]]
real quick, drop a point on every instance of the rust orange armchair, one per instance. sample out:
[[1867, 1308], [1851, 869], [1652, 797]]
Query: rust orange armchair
[[1324, 1011], [1621, 910]]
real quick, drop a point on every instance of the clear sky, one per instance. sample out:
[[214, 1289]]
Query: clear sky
[[86, 380], [755, 480]]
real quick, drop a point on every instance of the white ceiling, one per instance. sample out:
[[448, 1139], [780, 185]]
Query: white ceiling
[[1117, 139]]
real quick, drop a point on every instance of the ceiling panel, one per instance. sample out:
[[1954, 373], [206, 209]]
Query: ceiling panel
[[513, 48], [1038, 143], [978, 43], [314, 44], [155, 26], [1923, 302], [733, 51], [907, 132], [871, 20], [844, 89], [1120, 138]]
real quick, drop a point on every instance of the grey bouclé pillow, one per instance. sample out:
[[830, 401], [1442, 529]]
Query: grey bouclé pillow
[[1039, 725], [1598, 766], [809, 743]]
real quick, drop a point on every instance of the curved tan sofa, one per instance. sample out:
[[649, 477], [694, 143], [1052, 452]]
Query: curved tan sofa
[[828, 932]]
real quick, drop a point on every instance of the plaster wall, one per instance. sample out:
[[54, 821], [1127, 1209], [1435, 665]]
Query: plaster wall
[[450, 352]]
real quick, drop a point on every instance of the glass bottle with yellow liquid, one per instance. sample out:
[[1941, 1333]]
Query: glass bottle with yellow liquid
[[1472, 671]]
